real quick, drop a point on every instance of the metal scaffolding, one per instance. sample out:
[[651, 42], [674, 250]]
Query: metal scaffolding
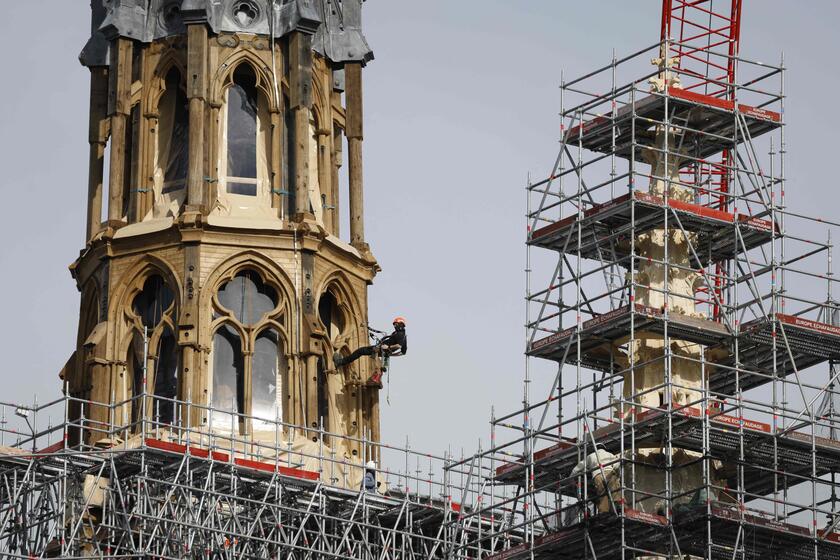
[[689, 408], [153, 489], [624, 457]]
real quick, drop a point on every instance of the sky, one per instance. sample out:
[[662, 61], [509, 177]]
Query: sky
[[461, 106]]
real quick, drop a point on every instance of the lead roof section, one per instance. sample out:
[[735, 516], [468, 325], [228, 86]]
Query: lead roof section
[[336, 25]]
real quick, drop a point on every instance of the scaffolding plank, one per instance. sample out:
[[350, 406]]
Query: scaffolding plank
[[759, 533], [715, 117], [760, 343], [605, 230], [183, 449], [728, 437], [641, 528], [614, 326]]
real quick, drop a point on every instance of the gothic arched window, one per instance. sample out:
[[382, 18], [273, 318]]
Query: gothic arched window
[[173, 145], [267, 371], [249, 354], [174, 133], [243, 158], [153, 314], [331, 315]]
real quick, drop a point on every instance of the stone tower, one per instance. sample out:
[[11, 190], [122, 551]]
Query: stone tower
[[214, 257]]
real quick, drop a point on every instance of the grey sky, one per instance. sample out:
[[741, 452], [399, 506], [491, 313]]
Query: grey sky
[[461, 102]]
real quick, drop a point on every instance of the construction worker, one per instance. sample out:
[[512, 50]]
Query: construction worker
[[369, 482], [395, 344], [603, 467]]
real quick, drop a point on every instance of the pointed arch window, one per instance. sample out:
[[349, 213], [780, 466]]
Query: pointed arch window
[[166, 377], [173, 145], [135, 369], [228, 375], [245, 128], [268, 369], [153, 313], [249, 355], [331, 315]]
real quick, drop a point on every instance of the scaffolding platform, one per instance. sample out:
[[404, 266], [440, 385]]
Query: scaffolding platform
[[605, 230], [809, 343], [711, 124], [47, 461], [599, 334], [757, 533], [762, 536], [763, 457], [646, 530], [799, 344]]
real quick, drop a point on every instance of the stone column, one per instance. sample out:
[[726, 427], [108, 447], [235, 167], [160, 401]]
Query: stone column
[[355, 135], [300, 63], [119, 109], [335, 179], [98, 138], [277, 185], [325, 176], [197, 94]]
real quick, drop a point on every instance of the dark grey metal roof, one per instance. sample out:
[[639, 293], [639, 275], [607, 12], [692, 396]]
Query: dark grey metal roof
[[335, 24]]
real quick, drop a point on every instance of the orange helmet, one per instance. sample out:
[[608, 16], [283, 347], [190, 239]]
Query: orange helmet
[[399, 320]]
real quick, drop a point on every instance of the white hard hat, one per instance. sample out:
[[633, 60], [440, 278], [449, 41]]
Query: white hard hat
[[370, 465]]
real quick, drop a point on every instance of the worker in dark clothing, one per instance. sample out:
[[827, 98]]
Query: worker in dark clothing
[[395, 344]]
